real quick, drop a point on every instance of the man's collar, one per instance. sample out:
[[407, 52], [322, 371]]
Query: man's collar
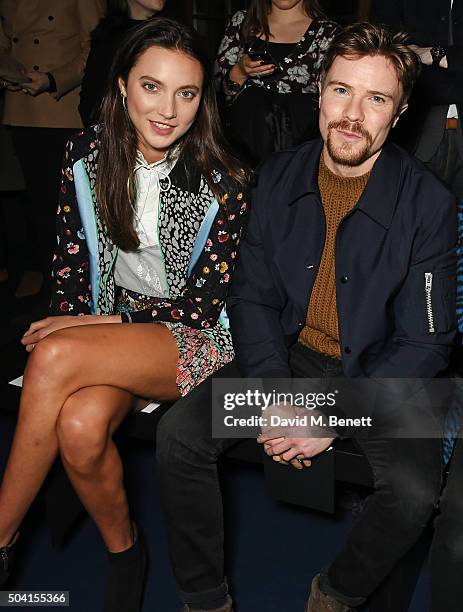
[[379, 197], [305, 180]]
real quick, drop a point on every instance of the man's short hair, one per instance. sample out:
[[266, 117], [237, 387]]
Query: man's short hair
[[362, 39]]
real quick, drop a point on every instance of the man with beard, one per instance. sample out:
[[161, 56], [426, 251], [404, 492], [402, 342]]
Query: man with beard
[[347, 269]]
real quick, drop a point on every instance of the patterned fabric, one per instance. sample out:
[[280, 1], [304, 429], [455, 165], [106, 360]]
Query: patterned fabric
[[454, 418], [453, 423], [299, 70], [460, 269], [196, 300], [200, 354]]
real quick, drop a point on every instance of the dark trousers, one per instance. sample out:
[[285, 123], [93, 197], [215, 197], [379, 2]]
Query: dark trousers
[[407, 475], [40, 152], [447, 162], [446, 560]]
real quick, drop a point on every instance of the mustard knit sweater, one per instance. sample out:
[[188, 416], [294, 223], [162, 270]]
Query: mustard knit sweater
[[339, 195]]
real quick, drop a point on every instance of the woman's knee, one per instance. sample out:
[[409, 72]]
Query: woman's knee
[[48, 359], [83, 434]]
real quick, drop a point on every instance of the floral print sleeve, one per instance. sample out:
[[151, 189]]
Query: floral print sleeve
[[70, 269], [204, 296], [229, 52], [298, 72]]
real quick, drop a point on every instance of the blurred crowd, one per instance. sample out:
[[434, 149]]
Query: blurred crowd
[[54, 61]]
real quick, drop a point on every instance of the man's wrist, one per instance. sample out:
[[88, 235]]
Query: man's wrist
[[437, 54], [236, 77]]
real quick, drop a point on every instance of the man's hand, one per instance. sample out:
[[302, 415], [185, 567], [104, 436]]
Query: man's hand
[[296, 451], [295, 443], [41, 329], [38, 84], [424, 53]]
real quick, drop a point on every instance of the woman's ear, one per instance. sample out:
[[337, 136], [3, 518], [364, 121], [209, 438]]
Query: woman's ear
[[122, 87]]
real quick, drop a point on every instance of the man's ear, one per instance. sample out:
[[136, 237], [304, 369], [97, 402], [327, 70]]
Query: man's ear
[[122, 88], [402, 109]]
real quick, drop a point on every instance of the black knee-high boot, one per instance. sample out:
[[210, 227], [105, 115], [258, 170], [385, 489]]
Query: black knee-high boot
[[7, 555], [126, 578]]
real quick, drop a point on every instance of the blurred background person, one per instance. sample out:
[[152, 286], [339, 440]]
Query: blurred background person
[[121, 16], [432, 126], [267, 68], [12, 243], [51, 39], [432, 130]]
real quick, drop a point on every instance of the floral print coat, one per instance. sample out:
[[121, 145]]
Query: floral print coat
[[83, 264], [299, 70]]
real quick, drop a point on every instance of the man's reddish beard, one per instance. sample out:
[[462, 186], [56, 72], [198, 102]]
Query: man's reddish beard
[[346, 155]]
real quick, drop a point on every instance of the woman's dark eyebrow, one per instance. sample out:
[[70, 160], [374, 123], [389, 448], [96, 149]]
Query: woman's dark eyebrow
[[146, 76]]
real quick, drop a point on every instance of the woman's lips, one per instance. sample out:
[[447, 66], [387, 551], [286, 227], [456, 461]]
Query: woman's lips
[[161, 128]]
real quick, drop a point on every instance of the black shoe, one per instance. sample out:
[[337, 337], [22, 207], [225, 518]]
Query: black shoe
[[7, 555], [126, 578], [227, 607], [319, 602]]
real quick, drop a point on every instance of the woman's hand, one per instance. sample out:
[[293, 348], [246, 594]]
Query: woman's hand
[[40, 329], [38, 83], [246, 68]]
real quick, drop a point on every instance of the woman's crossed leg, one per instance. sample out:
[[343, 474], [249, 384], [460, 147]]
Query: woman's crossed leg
[[78, 387]]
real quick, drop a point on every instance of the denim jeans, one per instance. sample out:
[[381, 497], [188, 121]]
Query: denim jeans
[[407, 477]]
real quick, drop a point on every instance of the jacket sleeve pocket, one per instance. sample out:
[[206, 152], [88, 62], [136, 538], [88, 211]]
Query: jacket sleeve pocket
[[435, 299]]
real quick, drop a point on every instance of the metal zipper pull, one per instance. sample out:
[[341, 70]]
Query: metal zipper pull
[[428, 294]]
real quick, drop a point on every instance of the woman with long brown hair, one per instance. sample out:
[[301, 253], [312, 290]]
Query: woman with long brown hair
[[150, 216], [267, 68]]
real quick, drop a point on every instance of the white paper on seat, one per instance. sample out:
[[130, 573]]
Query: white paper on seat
[[151, 407], [17, 382]]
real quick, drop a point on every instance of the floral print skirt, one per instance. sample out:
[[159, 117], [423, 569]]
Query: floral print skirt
[[201, 352]]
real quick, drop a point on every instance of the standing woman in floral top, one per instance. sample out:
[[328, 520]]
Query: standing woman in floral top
[[267, 67], [150, 216]]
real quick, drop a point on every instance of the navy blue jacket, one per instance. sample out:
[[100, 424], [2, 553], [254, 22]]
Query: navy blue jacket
[[395, 268]]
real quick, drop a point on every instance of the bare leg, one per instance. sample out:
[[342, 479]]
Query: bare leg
[[86, 423], [138, 358]]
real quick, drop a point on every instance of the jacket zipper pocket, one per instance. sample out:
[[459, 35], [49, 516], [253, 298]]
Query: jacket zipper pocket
[[428, 295]]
